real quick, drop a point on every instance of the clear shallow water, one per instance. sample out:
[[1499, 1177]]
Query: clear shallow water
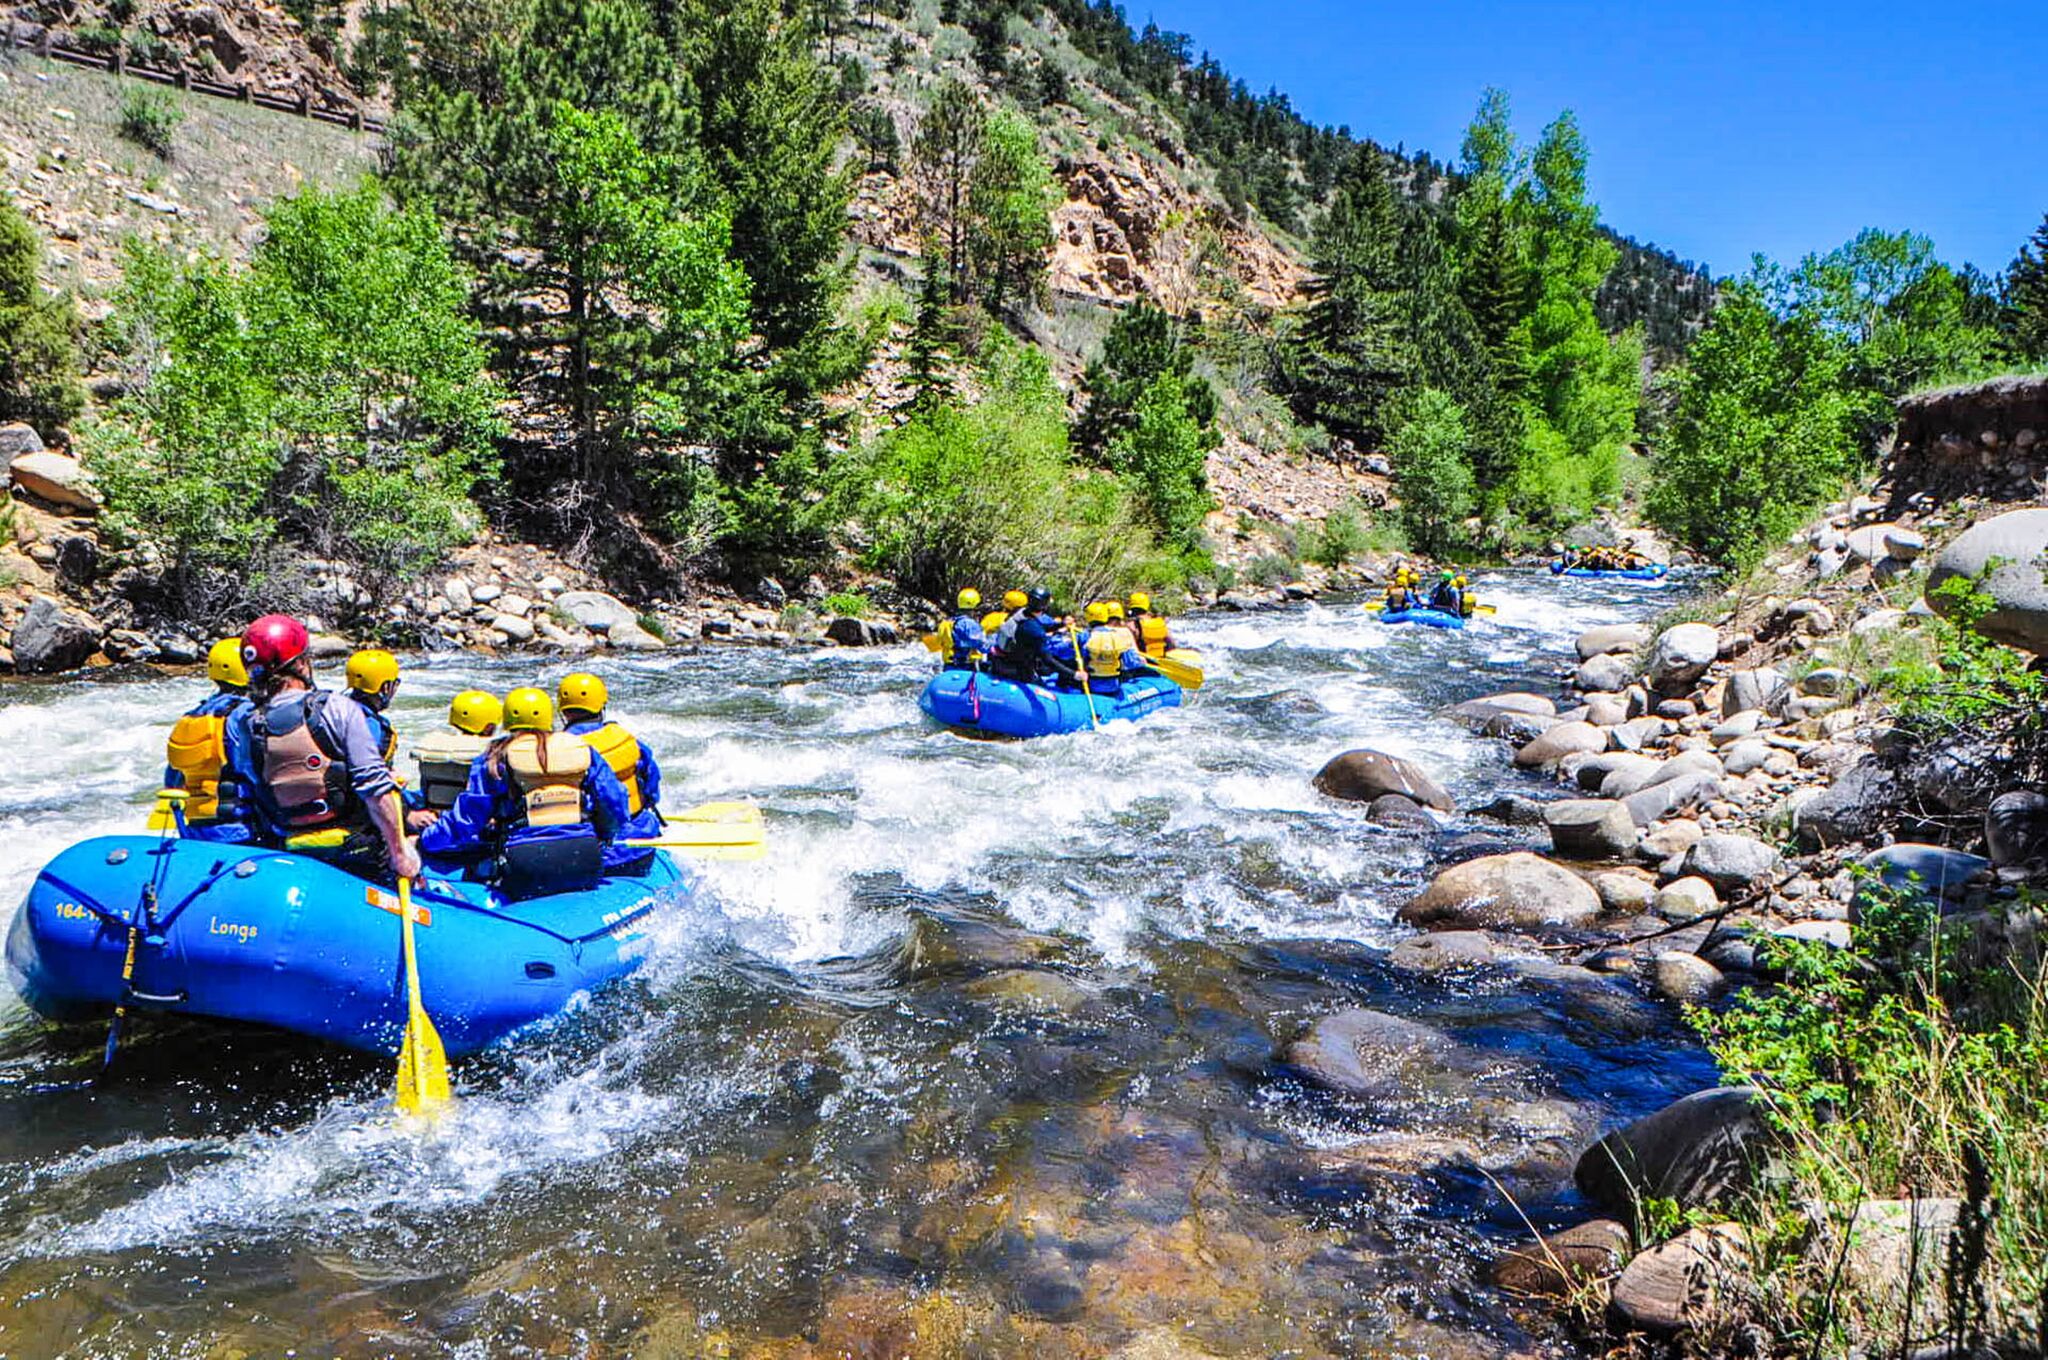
[[978, 1061]]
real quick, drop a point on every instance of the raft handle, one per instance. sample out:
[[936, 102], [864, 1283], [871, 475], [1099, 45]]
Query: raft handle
[[538, 969], [135, 998]]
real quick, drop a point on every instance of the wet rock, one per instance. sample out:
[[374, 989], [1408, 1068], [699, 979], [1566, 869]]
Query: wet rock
[[1556, 1264], [1680, 656], [1673, 795], [957, 944], [1481, 714], [1518, 889], [1604, 674], [1560, 741], [1687, 899], [1030, 989], [850, 632], [1514, 809], [1754, 689], [1624, 894], [1732, 862], [2016, 827], [1730, 951], [1925, 869], [50, 638], [1444, 950], [1700, 1151], [1362, 1052], [55, 478], [2008, 553], [1590, 828], [1397, 810], [1608, 638], [1517, 728], [1363, 775], [1691, 1283], [1684, 978]]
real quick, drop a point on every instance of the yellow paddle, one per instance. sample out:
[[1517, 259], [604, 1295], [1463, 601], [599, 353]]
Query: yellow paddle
[[1183, 673], [1081, 666], [422, 1063], [1477, 608], [931, 642], [713, 831]]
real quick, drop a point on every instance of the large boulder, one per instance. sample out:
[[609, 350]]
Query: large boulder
[[592, 609], [1364, 775], [1518, 889], [851, 632], [1854, 808], [2010, 548], [51, 638], [1604, 674], [1924, 870], [1555, 743], [55, 478], [2016, 827], [1700, 1151], [1680, 656], [1611, 637], [1732, 862], [1590, 828]]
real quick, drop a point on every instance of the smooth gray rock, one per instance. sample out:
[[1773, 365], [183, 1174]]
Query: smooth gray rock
[[2016, 827], [1687, 899], [1398, 810], [1853, 808], [517, 627], [1518, 889], [1699, 1151], [1744, 724], [1925, 869], [1361, 776], [1518, 702], [2011, 548], [16, 439], [1681, 655], [1746, 756], [1624, 894], [1607, 638], [1515, 809], [1878, 621], [1604, 675], [593, 610], [1834, 934], [1592, 771], [50, 638], [1674, 795], [1443, 951], [1606, 710], [1753, 689], [1732, 862], [1590, 828]]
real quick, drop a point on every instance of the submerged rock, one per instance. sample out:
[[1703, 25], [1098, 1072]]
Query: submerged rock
[[1401, 812], [1698, 1151], [1363, 775], [1519, 889], [1362, 1052]]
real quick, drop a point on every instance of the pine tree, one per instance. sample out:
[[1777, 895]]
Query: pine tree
[[947, 148], [1449, 352], [1495, 288], [2026, 298], [932, 334], [1143, 345], [1349, 355]]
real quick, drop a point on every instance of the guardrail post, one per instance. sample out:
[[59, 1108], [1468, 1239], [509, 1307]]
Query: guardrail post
[[183, 79]]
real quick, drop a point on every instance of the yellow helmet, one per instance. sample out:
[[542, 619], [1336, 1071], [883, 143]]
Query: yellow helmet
[[1140, 600], [1116, 609], [476, 712], [1014, 600], [970, 598], [224, 663], [529, 710], [993, 620], [371, 669], [1462, 581], [1098, 612], [583, 692]]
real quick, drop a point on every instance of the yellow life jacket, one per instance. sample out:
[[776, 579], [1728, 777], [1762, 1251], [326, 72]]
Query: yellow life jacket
[[1106, 646], [444, 758], [548, 768], [945, 636], [1153, 639], [620, 750], [198, 750]]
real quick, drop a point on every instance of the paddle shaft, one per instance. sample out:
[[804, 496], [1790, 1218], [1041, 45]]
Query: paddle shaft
[[1081, 669]]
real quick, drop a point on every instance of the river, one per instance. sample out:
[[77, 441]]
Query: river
[[979, 1061]]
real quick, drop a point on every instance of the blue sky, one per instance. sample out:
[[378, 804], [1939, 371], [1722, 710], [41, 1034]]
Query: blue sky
[[1716, 129]]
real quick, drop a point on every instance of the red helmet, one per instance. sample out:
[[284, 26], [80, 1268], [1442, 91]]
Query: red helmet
[[273, 640]]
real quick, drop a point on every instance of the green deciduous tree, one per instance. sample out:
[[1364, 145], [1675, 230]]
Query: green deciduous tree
[[1763, 430], [38, 347], [1010, 196], [1143, 344], [1431, 472], [1164, 455], [1906, 316], [333, 394]]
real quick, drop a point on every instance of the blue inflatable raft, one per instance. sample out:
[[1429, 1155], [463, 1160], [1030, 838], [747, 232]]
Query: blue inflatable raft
[[982, 705], [1428, 618], [271, 938], [1650, 573]]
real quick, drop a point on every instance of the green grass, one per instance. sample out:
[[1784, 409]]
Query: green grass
[[846, 605]]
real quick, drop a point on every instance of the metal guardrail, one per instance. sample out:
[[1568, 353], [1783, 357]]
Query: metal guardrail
[[44, 43]]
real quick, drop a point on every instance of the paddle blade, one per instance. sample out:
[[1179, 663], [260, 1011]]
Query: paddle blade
[[422, 1063], [696, 835], [1182, 673], [718, 812], [931, 642]]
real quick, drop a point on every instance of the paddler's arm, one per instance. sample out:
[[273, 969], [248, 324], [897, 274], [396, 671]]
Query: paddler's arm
[[387, 814]]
